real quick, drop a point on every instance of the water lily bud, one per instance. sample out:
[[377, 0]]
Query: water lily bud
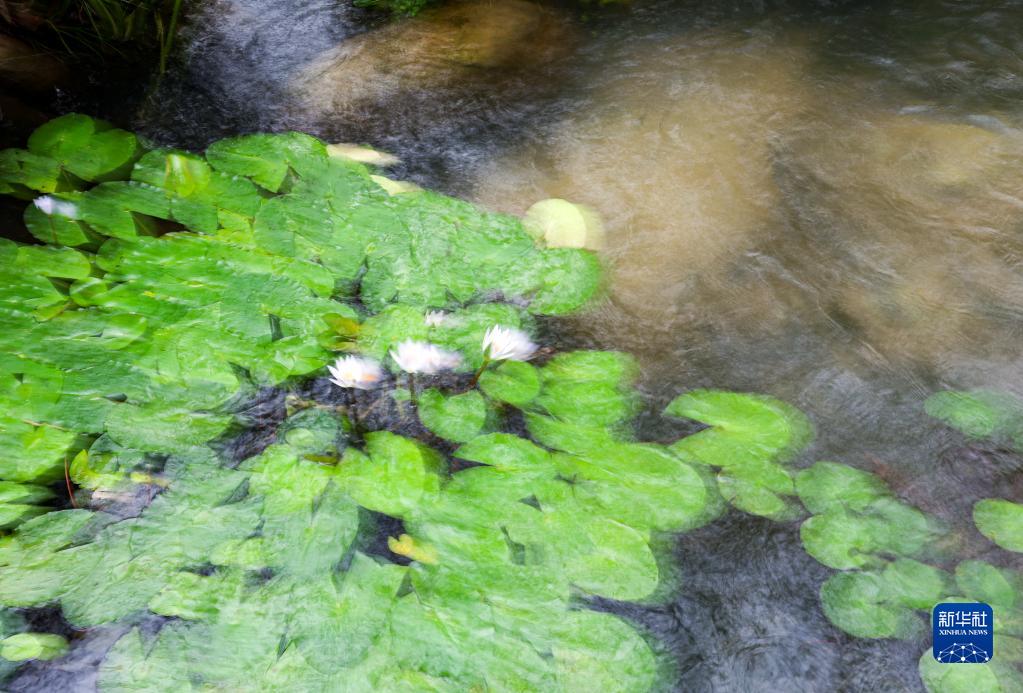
[[508, 344], [563, 224], [423, 357], [364, 155], [355, 371]]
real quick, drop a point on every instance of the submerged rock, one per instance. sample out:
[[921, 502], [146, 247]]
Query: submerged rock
[[25, 74], [462, 45], [27, 68], [674, 149], [915, 216], [750, 194]]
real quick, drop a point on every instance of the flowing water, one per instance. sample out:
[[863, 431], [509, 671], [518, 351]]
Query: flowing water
[[818, 201]]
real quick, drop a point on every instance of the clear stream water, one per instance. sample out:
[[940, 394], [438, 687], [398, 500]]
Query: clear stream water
[[818, 201]]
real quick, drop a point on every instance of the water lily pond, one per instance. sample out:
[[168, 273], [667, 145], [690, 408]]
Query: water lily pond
[[669, 347]]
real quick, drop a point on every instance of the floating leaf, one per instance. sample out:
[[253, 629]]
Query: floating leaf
[[364, 155], [514, 382], [859, 604], [458, 418], [1000, 674], [999, 587], [1001, 521], [55, 219], [161, 429], [313, 432], [25, 646], [744, 426], [22, 173], [842, 539], [32, 452], [394, 475], [267, 159], [562, 224], [571, 278], [978, 414], [65, 263], [395, 187], [829, 485], [90, 149], [750, 436]]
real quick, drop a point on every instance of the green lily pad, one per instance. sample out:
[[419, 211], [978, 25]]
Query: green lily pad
[[65, 263], [1001, 521], [161, 429], [23, 172], [458, 418], [842, 539], [883, 604], [514, 382], [749, 438], [978, 414], [25, 646], [267, 159], [55, 219], [743, 426], [90, 149], [829, 485], [394, 475], [969, 678], [33, 452], [983, 582]]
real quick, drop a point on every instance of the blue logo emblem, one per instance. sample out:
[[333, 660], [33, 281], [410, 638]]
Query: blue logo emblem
[[963, 633]]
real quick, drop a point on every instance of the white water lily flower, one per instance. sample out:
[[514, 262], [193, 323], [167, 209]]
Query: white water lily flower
[[436, 318], [423, 357], [508, 344], [51, 205], [355, 371]]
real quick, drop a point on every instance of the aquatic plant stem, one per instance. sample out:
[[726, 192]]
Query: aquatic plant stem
[[67, 481], [412, 389], [353, 414], [476, 376]]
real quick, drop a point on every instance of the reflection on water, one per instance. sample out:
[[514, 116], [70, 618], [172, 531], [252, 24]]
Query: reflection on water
[[822, 202]]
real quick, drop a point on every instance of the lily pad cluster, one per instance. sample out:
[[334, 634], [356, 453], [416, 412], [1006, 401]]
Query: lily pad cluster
[[998, 417], [1002, 588], [892, 555], [458, 547], [174, 284], [271, 566], [889, 553], [860, 527], [750, 439]]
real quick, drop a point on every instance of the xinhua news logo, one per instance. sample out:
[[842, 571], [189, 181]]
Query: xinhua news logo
[[963, 633]]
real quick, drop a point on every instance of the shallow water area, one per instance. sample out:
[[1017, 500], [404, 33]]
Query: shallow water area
[[821, 202]]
